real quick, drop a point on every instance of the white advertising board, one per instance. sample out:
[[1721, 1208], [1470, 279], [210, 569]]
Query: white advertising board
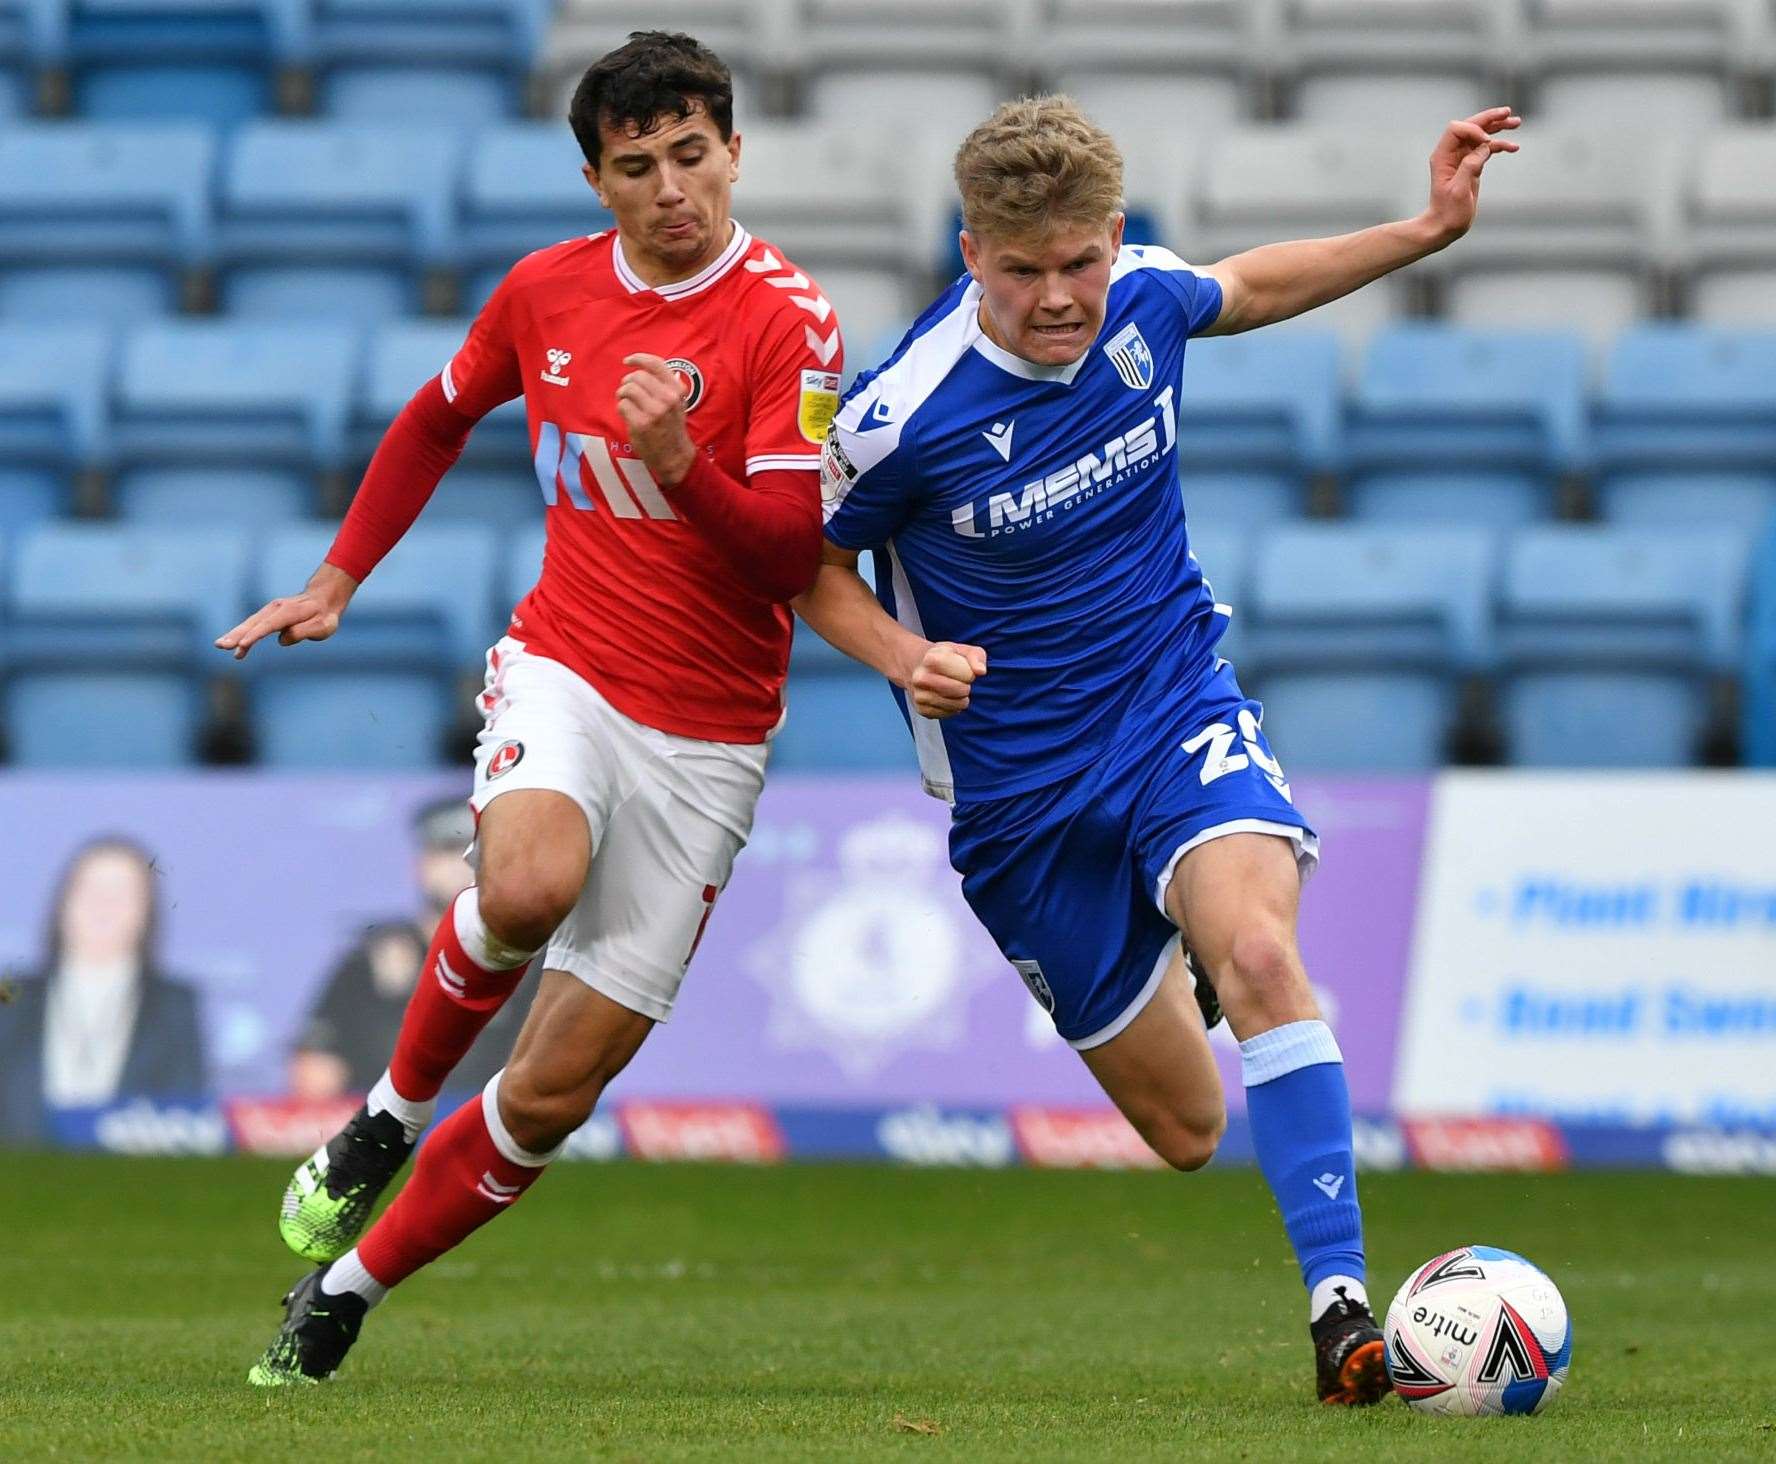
[[1595, 946]]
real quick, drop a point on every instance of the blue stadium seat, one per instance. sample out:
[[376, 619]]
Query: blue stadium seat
[[82, 194], [1249, 498], [317, 193], [319, 292], [487, 497], [28, 496], [115, 294], [523, 191], [349, 721], [223, 96], [109, 632], [447, 95], [209, 392], [429, 603], [1473, 497], [1268, 400], [1359, 633], [15, 92], [403, 356], [1223, 549], [1609, 637], [244, 496], [54, 390], [521, 565], [1501, 401], [1745, 500], [1688, 398], [1758, 701], [500, 34], [853, 698]]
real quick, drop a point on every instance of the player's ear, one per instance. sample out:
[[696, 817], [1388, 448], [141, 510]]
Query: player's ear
[[970, 253], [590, 174], [1116, 227], [734, 158]]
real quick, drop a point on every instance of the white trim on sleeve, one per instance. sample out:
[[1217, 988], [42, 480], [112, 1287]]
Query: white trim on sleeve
[[784, 462]]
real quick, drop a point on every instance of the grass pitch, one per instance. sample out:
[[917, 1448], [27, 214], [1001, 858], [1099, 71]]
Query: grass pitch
[[650, 1313]]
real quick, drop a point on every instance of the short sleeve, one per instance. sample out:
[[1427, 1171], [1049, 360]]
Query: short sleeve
[[484, 373], [795, 389], [865, 485], [1198, 295]]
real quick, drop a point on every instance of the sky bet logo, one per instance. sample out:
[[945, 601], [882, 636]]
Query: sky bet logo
[[1036, 502]]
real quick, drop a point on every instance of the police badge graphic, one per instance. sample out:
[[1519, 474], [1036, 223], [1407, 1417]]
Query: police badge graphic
[[1128, 353]]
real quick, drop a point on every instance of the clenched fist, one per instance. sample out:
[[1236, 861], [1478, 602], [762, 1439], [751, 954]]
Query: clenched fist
[[652, 407], [940, 681]]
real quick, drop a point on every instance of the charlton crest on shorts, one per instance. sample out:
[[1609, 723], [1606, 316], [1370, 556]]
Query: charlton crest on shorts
[[690, 380], [1128, 353], [505, 757]]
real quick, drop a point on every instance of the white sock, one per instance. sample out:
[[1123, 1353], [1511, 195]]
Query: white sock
[[1327, 1294], [479, 943], [414, 1114], [348, 1274]]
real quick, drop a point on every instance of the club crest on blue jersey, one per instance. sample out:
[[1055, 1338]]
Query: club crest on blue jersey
[[1128, 353]]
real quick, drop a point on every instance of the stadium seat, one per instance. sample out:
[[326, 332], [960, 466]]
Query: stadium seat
[[348, 721], [1261, 184], [106, 293], [1674, 103], [223, 96], [1729, 210], [492, 499], [1138, 35], [523, 192], [1407, 102], [1386, 64], [586, 29], [1738, 298], [80, 193], [1266, 401], [403, 356], [949, 103], [1587, 53], [1597, 304], [1689, 398], [245, 496], [520, 566], [1223, 549], [872, 304], [1758, 701], [1472, 497], [1253, 499], [54, 390], [1610, 637], [829, 198], [1744, 501], [317, 193], [1359, 633], [209, 392], [319, 292], [1126, 104], [1504, 401], [109, 632], [854, 698], [449, 96], [29, 496]]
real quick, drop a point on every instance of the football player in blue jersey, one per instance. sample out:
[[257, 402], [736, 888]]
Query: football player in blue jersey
[[1119, 820]]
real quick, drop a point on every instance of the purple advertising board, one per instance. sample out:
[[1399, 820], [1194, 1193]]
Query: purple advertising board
[[841, 967]]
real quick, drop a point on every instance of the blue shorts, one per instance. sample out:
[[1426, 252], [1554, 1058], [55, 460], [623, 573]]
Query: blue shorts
[[1070, 879]]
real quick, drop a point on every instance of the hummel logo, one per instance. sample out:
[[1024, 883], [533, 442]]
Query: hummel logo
[[556, 374], [453, 984], [491, 1189], [999, 434], [1329, 1184]]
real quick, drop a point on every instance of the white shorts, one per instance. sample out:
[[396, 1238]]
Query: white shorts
[[667, 817]]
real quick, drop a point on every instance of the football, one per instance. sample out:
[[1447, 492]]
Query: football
[[1478, 1330]]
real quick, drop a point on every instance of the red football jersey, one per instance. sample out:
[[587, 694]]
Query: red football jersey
[[632, 597]]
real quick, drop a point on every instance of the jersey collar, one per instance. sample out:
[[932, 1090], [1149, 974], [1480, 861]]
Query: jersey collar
[[738, 244], [1004, 359]]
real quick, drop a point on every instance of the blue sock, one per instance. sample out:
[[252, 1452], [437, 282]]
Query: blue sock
[[1299, 1108]]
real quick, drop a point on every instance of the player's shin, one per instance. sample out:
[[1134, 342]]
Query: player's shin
[[468, 1171], [1299, 1107], [469, 973]]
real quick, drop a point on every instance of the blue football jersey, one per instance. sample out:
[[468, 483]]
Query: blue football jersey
[[1036, 512]]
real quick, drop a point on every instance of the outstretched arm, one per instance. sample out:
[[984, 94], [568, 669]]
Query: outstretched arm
[[1277, 281], [842, 608]]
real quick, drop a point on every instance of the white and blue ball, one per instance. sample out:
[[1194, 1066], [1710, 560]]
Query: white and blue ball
[[1478, 1330]]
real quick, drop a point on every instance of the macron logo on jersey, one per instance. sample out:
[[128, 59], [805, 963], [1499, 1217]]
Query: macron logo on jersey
[[999, 434], [1084, 477]]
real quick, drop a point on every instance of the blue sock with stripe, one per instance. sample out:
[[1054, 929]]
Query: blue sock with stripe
[[1299, 1107]]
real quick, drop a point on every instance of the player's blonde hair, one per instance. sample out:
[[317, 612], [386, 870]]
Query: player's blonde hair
[[1037, 165]]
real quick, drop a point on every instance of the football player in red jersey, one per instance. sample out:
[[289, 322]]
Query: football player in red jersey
[[679, 377]]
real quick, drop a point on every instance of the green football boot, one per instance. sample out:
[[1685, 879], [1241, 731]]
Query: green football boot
[[328, 1201], [319, 1329]]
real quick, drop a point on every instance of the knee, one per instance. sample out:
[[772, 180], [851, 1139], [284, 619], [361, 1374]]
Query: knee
[[1187, 1143], [1266, 968], [540, 1114], [523, 907]]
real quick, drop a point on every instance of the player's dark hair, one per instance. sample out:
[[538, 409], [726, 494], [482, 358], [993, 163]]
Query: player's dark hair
[[147, 947], [657, 75]]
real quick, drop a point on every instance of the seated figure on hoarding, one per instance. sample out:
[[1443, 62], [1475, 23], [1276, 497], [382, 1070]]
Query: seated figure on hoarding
[[1052, 640], [680, 376], [344, 1043], [98, 1022]]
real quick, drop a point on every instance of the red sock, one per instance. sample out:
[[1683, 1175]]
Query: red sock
[[460, 1181], [457, 994]]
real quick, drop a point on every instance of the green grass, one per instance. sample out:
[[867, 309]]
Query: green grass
[[647, 1313]]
